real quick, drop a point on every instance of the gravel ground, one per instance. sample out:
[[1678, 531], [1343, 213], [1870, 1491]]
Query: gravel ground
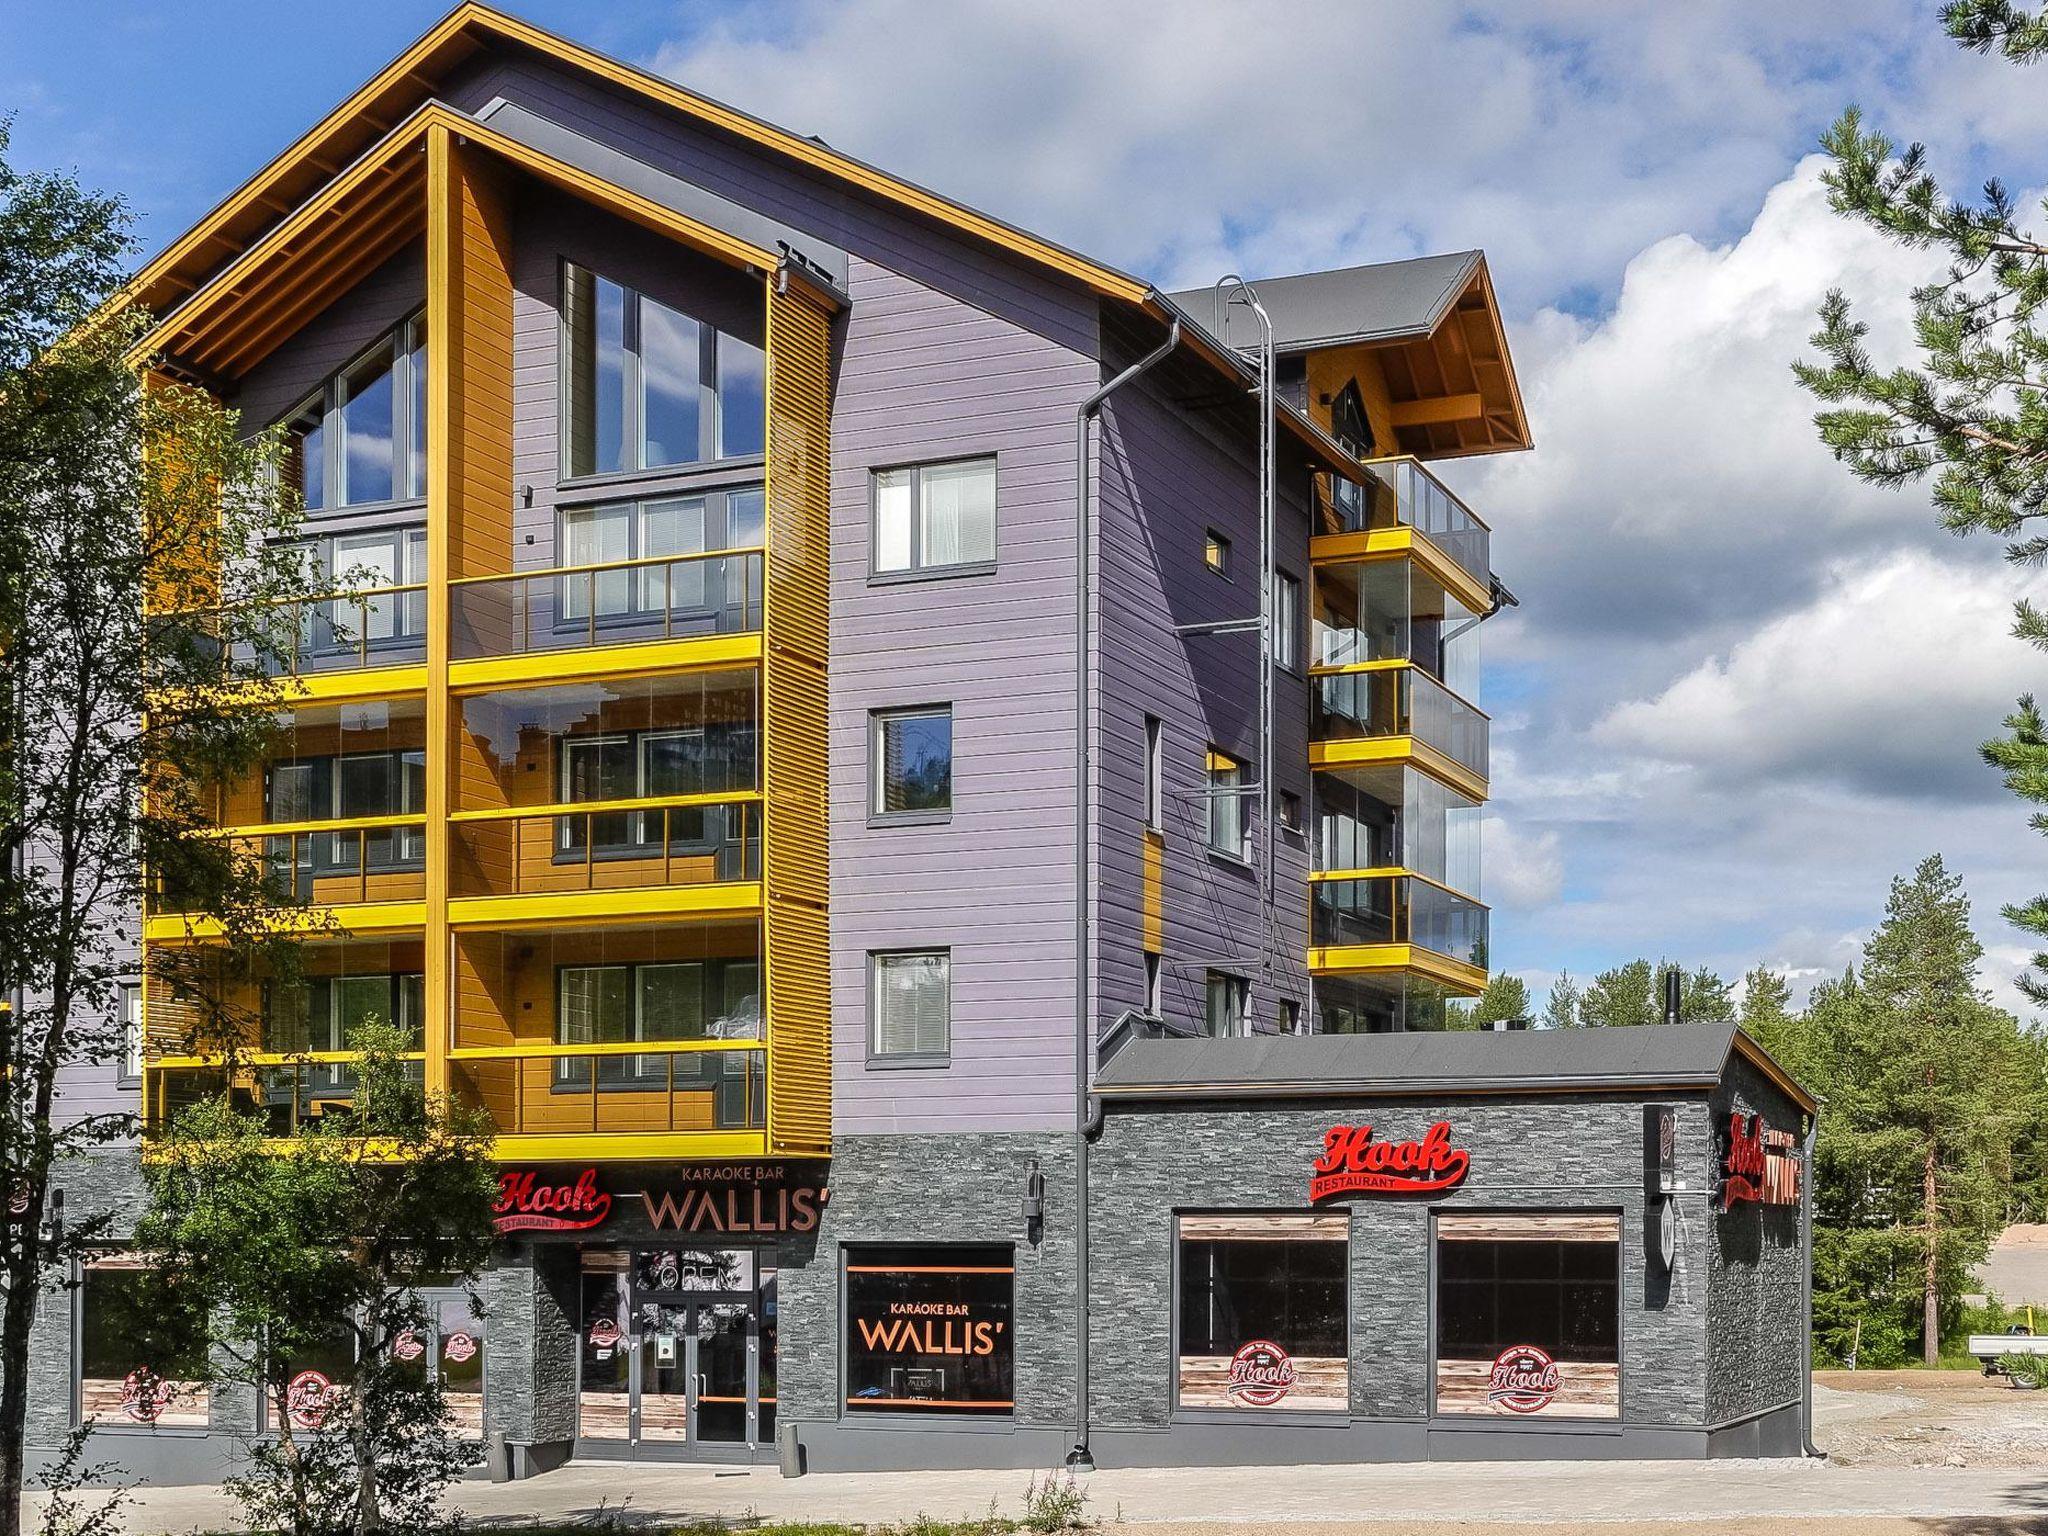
[[1929, 1419]]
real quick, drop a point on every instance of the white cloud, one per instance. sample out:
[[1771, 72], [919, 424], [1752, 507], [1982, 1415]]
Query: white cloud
[[1885, 682], [1522, 870]]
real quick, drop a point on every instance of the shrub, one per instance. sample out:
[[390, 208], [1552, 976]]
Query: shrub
[[1054, 1505], [2023, 1370]]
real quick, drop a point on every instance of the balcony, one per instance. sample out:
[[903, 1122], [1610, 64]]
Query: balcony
[[617, 603], [373, 862], [606, 845], [1395, 704], [288, 1089], [354, 631], [1400, 493], [616, 1089], [1395, 922]]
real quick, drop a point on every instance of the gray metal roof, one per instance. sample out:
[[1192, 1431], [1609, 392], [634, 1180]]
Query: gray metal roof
[[1448, 1061], [1383, 302]]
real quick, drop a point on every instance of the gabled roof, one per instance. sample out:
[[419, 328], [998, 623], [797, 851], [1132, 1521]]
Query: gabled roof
[[1387, 301], [409, 81], [1646, 1058]]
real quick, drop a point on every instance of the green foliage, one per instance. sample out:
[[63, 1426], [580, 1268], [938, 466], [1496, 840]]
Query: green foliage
[[1505, 998], [1561, 1007], [1633, 994], [2023, 1370], [339, 1229], [1055, 1504], [1997, 25]]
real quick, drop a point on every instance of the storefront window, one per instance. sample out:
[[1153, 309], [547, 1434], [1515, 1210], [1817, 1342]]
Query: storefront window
[[928, 1330], [320, 1370], [142, 1348], [1262, 1313], [1528, 1313]]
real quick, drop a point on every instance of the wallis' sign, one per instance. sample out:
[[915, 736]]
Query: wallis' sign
[[734, 1199], [1758, 1164], [1355, 1163]]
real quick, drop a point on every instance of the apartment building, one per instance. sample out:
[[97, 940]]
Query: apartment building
[[931, 790]]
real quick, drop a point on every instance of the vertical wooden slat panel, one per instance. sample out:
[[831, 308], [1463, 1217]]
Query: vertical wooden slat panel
[[795, 648]]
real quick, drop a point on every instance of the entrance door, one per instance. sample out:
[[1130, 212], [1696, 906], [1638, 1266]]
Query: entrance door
[[673, 1351]]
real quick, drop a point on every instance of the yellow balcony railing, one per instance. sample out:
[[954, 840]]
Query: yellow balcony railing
[[288, 1088], [326, 863], [1351, 909], [1399, 493], [332, 632], [1396, 698], [636, 1087], [595, 845], [619, 602]]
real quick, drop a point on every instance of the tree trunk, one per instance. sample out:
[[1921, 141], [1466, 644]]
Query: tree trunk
[[1930, 1348], [17, 1317], [368, 1521]]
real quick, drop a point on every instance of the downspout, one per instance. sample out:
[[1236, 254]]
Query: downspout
[[1087, 1112], [1806, 1287]]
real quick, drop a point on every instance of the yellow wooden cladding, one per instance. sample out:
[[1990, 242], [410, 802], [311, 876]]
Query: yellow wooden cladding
[[795, 621]]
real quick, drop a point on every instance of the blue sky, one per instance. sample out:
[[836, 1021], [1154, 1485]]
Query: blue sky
[[1743, 691]]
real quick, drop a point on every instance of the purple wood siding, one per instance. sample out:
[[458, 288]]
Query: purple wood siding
[[327, 343], [1169, 474]]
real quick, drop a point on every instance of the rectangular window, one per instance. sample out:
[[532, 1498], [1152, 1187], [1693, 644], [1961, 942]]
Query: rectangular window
[[911, 1005], [1228, 996], [1286, 622], [911, 753], [935, 517], [1153, 996], [376, 619], [1155, 773], [1290, 811], [362, 438], [654, 1001], [141, 1347], [1216, 553], [929, 1330], [1290, 1016], [645, 386], [1229, 827], [131, 1033], [1263, 1314], [688, 582], [1528, 1315]]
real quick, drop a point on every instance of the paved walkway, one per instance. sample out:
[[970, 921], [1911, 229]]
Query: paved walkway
[[1725, 1493]]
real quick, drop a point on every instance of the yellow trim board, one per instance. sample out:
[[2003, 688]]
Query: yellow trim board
[[363, 917], [609, 1146], [590, 663], [1397, 959], [1395, 543], [1373, 751], [733, 898]]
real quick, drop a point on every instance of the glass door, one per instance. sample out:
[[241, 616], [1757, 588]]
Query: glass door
[[672, 1351], [721, 1372], [661, 1400]]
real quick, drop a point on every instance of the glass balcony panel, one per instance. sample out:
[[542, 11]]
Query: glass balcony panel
[[1392, 610], [1399, 492], [323, 866], [589, 849], [618, 602], [1387, 815], [1362, 1005], [1398, 909], [572, 1090], [1398, 701]]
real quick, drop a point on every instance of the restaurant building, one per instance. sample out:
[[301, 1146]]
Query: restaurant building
[[930, 788]]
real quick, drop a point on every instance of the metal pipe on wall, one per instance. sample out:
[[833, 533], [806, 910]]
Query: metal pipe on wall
[[1086, 1117]]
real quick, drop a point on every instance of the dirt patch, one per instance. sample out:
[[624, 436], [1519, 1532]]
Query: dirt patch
[[1928, 1419]]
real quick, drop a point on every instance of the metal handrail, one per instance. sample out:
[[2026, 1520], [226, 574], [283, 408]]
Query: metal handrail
[[265, 1058], [604, 1048], [1423, 470], [329, 824], [606, 565], [1391, 872], [603, 807], [1396, 664]]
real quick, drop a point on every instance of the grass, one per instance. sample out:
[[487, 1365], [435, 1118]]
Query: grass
[[1053, 1505]]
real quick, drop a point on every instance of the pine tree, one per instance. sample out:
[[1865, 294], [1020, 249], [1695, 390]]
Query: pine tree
[[1973, 410], [1633, 994], [1561, 1007]]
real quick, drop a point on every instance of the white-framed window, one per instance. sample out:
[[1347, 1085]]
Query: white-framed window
[[645, 386], [1154, 991], [1286, 622], [1216, 552], [1290, 1016], [651, 1002], [1229, 827], [361, 438], [910, 1004], [910, 753], [1228, 999], [131, 1032], [1290, 811], [934, 517], [1155, 773]]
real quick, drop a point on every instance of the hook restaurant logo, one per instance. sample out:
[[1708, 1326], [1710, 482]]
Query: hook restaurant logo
[[1261, 1373], [1524, 1379], [527, 1205], [1354, 1164]]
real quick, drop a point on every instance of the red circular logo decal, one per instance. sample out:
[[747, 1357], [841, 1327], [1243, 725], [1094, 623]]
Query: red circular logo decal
[[144, 1395], [407, 1345], [1524, 1379], [604, 1333], [459, 1347], [1260, 1374], [307, 1398]]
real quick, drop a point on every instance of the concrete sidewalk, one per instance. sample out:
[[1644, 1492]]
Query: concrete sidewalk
[[1729, 1494]]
